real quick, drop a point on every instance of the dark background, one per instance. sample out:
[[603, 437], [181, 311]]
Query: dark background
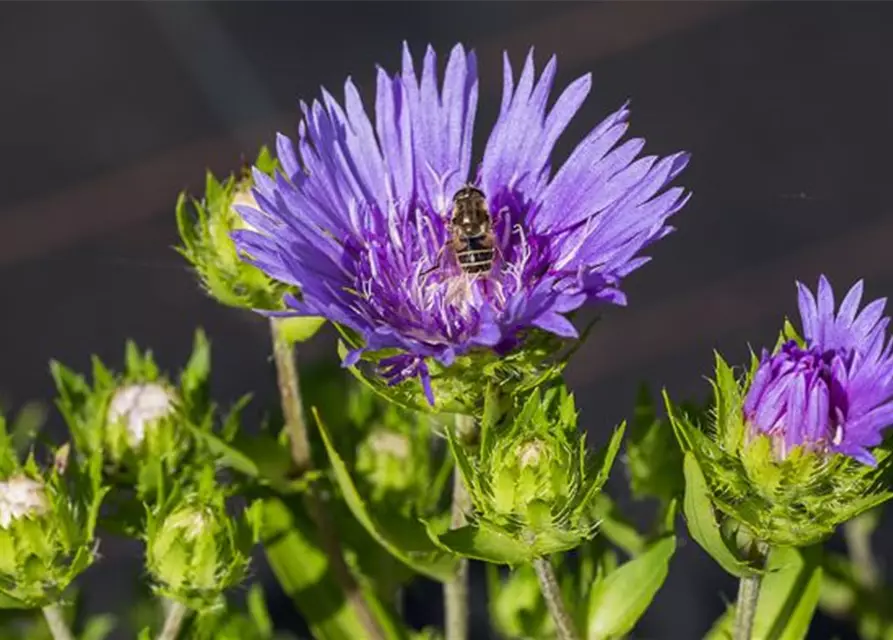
[[108, 110]]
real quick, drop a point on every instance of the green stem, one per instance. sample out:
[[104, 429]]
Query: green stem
[[746, 607], [455, 592], [177, 613], [56, 622], [296, 425], [564, 624]]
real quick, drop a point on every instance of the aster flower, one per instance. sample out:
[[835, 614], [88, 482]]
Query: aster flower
[[359, 217], [834, 391]]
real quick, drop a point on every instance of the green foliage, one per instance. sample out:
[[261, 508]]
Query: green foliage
[[302, 568], [205, 229], [47, 524], [31, 624], [653, 457], [402, 535], [797, 501], [604, 598]]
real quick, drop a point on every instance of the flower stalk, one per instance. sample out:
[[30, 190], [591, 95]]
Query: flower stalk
[[455, 595], [176, 615], [746, 607], [296, 425], [564, 624], [456, 590], [56, 622]]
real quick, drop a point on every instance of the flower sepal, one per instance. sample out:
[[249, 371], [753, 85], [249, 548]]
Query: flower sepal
[[47, 523], [458, 388], [531, 481]]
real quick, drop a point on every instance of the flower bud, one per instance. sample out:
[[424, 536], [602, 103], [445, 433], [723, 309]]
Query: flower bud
[[135, 412], [21, 497], [533, 479], [791, 451], [195, 550], [384, 460], [46, 527], [138, 420], [207, 231]]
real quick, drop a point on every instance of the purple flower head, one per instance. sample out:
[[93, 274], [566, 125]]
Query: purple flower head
[[834, 394], [361, 217]]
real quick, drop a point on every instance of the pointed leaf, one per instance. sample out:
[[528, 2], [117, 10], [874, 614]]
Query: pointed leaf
[[300, 329], [619, 600], [483, 542], [789, 593], [702, 524], [404, 537], [302, 569]]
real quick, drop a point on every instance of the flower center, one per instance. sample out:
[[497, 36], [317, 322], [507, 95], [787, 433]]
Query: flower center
[[412, 269]]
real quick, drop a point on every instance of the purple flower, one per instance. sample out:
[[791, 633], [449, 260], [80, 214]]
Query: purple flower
[[836, 394], [360, 217]]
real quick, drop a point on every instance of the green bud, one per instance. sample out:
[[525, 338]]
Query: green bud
[[138, 421], [195, 550], [205, 228], [533, 479], [47, 523]]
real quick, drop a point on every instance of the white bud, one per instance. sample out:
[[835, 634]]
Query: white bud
[[21, 497], [140, 406], [390, 443]]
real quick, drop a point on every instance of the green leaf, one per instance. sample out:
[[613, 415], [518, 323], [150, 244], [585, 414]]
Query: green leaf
[[723, 627], [403, 537], [702, 523], [303, 571], [198, 368], [300, 329], [8, 601], [257, 609], [789, 593], [261, 457], [618, 601], [483, 542], [98, 627], [654, 459], [616, 528]]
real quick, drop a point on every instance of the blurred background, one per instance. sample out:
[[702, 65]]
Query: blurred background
[[109, 110]]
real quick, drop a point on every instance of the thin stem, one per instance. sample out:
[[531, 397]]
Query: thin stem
[[296, 425], [552, 595], [56, 622], [746, 607], [455, 592], [857, 533], [177, 612]]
